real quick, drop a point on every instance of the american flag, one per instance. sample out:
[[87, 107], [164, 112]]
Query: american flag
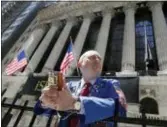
[[69, 57], [17, 63]]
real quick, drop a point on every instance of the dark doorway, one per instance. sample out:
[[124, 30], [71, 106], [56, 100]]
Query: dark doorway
[[149, 105]]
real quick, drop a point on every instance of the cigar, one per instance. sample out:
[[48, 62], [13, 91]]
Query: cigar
[[60, 81]]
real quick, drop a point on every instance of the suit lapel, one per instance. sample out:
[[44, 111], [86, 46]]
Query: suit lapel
[[78, 88], [97, 87]]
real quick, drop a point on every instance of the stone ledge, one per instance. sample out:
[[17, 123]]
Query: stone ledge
[[153, 80], [162, 73], [56, 12], [13, 84], [126, 74]]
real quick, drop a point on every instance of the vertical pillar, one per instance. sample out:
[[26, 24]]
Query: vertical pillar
[[80, 39], [56, 51], [128, 53], [34, 40], [103, 34], [33, 63]]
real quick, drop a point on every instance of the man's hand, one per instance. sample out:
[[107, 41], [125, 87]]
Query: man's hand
[[59, 100]]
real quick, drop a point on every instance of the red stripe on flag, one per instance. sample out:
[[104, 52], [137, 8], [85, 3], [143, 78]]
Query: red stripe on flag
[[15, 65], [66, 61], [66, 57], [9, 72]]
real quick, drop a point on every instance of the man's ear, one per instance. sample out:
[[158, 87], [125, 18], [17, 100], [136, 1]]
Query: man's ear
[[78, 64]]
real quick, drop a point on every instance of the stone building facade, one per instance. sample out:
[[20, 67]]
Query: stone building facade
[[118, 35]]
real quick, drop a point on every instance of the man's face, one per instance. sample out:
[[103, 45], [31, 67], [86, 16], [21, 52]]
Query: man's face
[[90, 68]]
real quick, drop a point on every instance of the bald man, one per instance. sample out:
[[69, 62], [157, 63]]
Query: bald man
[[92, 98]]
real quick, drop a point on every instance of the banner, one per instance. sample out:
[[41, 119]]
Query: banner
[[129, 85]]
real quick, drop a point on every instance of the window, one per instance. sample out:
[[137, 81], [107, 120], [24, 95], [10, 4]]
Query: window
[[164, 8], [144, 32], [113, 58]]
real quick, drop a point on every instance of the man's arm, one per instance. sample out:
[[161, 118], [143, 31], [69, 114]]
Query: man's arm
[[122, 104], [96, 109], [40, 110]]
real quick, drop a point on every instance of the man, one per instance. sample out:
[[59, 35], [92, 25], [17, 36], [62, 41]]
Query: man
[[92, 98]]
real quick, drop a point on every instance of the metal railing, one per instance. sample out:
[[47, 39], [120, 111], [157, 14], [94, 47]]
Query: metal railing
[[141, 120]]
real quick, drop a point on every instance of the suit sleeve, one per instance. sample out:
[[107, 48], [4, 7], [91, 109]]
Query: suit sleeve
[[96, 109], [120, 93], [39, 110]]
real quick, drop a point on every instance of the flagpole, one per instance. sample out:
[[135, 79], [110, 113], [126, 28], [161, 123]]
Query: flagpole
[[146, 52], [149, 51], [75, 56]]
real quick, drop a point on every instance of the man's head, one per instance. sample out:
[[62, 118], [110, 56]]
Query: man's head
[[90, 65]]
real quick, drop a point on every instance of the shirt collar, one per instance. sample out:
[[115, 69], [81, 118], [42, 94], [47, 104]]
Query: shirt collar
[[91, 81]]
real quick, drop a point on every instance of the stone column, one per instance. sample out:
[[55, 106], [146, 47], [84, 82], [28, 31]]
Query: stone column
[[128, 53], [34, 40], [160, 32], [102, 39], [33, 63], [79, 41], [56, 51]]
